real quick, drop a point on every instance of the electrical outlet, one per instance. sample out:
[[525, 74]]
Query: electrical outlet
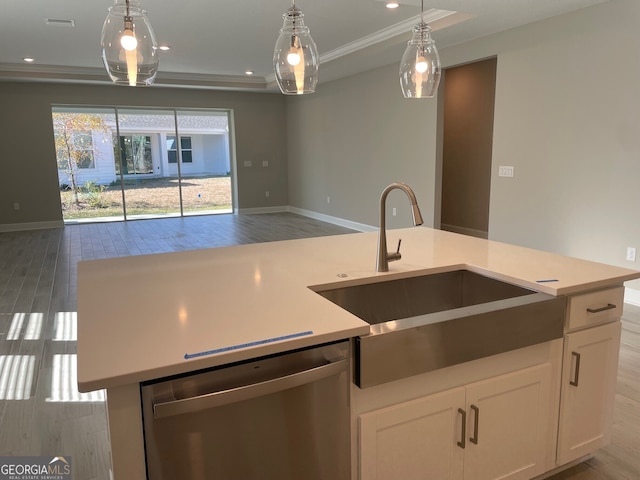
[[247, 163], [631, 254], [505, 171], [394, 211], [328, 199], [266, 194], [16, 206], [265, 163]]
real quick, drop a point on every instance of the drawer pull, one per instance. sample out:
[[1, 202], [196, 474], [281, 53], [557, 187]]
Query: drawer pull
[[461, 443], [610, 306], [476, 420], [574, 382]]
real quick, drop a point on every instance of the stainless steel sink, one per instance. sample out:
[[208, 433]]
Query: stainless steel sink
[[427, 322]]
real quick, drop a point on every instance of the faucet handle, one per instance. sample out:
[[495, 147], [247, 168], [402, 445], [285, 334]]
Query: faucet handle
[[393, 256]]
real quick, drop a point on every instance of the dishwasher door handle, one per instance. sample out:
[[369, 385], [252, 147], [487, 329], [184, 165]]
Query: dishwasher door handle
[[246, 392]]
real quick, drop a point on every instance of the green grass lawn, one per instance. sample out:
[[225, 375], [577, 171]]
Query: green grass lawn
[[149, 197]]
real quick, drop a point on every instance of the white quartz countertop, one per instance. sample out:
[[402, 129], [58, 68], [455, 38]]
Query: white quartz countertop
[[139, 316]]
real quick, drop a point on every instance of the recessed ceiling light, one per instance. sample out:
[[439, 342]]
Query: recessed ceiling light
[[391, 5], [164, 47], [29, 59], [249, 72]]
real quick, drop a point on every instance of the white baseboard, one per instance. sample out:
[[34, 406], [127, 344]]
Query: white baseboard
[[21, 227], [251, 211], [632, 296], [361, 227]]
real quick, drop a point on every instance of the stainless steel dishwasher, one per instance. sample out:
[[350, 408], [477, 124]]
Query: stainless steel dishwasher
[[280, 417]]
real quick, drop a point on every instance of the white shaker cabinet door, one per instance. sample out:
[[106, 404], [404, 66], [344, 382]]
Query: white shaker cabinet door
[[589, 375], [509, 426], [414, 440]]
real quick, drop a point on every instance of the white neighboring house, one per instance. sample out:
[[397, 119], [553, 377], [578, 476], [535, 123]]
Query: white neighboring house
[[149, 148]]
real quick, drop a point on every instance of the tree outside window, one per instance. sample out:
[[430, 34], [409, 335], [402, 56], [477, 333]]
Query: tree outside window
[[82, 143], [73, 134]]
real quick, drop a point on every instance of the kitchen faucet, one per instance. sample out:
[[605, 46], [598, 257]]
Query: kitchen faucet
[[384, 257]]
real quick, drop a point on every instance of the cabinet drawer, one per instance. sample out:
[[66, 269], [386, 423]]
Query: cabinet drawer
[[595, 308]]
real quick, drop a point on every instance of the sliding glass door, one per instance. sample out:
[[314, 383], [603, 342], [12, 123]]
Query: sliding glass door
[[203, 153], [151, 186], [130, 163]]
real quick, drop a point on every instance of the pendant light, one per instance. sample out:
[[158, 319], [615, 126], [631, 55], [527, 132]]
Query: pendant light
[[129, 48], [420, 65], [295, 57]]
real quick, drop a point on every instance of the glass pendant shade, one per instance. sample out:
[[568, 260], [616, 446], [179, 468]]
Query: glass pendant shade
[[129, 48], [420, 66], [295, 57]]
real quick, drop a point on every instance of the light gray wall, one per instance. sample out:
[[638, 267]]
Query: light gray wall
[[27, 159], [567, 117], [351, 139]]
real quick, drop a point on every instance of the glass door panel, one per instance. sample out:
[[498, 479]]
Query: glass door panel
[[150, 181], [205, 163], [89, 183]]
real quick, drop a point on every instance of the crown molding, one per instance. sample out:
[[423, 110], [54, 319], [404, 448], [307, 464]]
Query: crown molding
[[393, 31], [98, 76], [401, 28]]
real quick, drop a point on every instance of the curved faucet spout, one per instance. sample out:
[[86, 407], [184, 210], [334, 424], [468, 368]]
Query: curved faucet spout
[[384, 257]]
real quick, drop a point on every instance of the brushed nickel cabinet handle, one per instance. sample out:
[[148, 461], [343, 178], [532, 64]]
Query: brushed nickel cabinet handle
[[610, 306], [461, 443], [576, 375], [476, 420]]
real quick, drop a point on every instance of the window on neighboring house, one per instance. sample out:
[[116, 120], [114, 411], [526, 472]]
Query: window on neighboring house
[[81, 150], [171, 149], [186, 152]]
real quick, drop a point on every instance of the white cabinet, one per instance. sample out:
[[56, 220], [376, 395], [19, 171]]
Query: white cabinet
[[505, 436], [414, 440], [588, 389], [513, 425], [594, 308]]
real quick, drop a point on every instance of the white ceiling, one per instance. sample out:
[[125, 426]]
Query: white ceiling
[[214, 42]]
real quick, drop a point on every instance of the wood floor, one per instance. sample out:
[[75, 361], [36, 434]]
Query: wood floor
[[41, 412]]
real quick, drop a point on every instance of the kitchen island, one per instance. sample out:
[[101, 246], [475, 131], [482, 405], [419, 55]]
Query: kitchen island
[[149, 317]]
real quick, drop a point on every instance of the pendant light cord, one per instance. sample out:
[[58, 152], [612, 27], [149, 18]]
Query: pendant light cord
[[421, 10], [293, 11], [128, 21]]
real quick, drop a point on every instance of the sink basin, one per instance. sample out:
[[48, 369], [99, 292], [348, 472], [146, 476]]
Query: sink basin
[[427, 322], [409, 297]]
